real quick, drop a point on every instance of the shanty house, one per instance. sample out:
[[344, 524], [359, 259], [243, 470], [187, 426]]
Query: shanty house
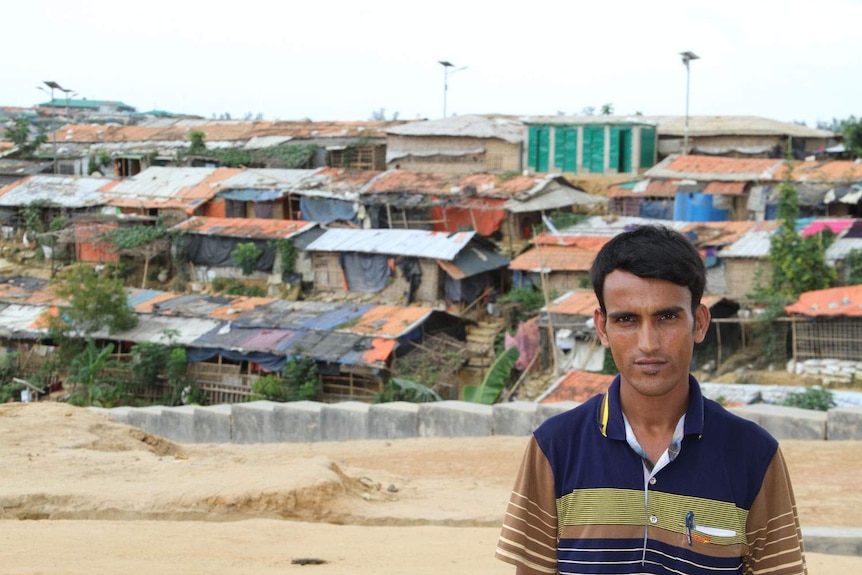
[[737, 137], [827, 333], [407, 265], [558, 263], [458, 145], [505, 209], [209, 244], [231, 341], [849, 240], [746, 261], [260, 144], [590, 144]]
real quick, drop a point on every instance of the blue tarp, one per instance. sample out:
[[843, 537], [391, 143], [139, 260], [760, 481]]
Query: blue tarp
[[326, 210], [251, 195]]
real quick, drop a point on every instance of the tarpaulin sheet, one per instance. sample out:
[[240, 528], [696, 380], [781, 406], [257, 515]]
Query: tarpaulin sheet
[[216, 251], [367, 273], [526, 339], [484, 217], [251, 195], [467, 289], [326, 210], [267, 361]]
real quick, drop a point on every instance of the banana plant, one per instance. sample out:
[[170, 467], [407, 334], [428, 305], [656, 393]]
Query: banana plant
[[495, 380]]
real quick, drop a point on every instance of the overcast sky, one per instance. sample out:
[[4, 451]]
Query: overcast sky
[[342, 60]]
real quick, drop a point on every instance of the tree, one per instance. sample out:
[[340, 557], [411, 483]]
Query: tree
[[851, 129], [19, 133], [246, 256], [197, 146], [607, 109], [92, 303], [798, 264]]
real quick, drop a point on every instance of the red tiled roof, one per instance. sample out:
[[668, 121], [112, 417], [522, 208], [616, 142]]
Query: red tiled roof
[[668, 187], [725, 188], [840, 301], [578, 386]]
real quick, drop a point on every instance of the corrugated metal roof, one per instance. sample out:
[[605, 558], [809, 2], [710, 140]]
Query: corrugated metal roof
[[840, 301], [834, 171], [154, 329], [554, 258], [345, 333], [506, 128], [753, 244], [553, 197], [414, 243], [732, 126], [715, 234], [63, 191], [224, 130], [473, 261], [161, 187], [258, 228], [841, 248], [439, 184], [581, 303], [577, 386], [17, 320], [711, 168], [560, 120]]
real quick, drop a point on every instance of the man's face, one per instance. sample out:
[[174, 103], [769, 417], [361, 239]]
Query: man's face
[[651, 331]]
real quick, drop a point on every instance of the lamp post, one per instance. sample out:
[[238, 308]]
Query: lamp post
[[446, 65], [67, 90], [55, 86], [687, 57]]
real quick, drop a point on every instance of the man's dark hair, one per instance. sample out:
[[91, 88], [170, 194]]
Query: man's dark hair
[[653, 252]]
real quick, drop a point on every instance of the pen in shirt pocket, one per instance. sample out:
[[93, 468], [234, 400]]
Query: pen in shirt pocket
[[690, 526]]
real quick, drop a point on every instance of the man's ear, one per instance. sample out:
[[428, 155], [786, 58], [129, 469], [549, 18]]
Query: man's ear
[[701, 322], [599, 319]]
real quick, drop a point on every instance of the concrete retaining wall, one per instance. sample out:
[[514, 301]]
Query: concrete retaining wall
[[309, 421]]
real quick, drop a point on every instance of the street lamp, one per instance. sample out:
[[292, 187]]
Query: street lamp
[[67, 90], [53, 86], [687, 57], [446, 65]]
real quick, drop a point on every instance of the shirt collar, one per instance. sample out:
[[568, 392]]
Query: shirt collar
[[610, 413]]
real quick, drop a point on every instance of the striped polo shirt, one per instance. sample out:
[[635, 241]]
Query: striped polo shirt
[[582, 502]]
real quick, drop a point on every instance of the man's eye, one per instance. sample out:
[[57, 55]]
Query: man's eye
[[625, 318], [668, 316]]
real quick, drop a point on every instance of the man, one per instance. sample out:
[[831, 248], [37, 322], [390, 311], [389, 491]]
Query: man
[[651, 477]]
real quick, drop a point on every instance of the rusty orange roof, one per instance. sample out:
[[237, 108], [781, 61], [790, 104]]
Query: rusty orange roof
[[554, 258], [836, 171], [583, 242], [388, 320], [722, 165], [452, 184], [222, 130], [240, 304], [668, 188], [243, 227], [718, 233], [840, 301], [580, 302], [578, 386], [162, 187]]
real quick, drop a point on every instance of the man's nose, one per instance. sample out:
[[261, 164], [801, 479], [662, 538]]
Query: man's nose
[[648, 338]]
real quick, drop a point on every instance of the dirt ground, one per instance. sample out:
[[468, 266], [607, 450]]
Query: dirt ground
[[83, 495]]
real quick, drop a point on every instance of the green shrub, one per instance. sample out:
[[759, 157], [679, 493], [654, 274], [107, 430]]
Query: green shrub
[[812, 398]]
